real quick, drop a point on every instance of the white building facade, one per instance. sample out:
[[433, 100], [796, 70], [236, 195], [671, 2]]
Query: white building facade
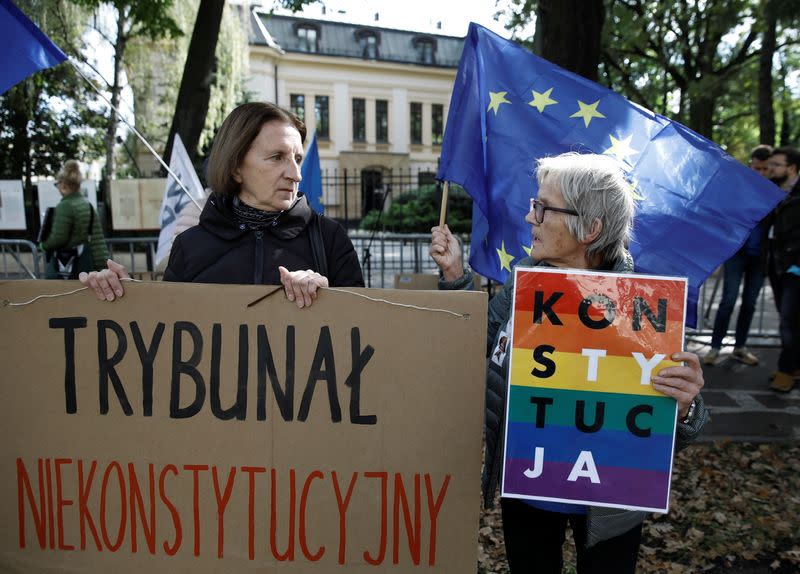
[[377, 99]]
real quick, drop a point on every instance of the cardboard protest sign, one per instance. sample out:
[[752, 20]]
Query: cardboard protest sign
[[179, 429], [426, 281], [584, 425]]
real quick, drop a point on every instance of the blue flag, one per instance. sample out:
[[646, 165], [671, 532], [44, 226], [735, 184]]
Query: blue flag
[[695, 205], [25, 48], [311, 185]]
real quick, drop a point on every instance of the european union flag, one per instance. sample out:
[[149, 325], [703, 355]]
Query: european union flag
[[25, 48], [311, 185], [695, 205]]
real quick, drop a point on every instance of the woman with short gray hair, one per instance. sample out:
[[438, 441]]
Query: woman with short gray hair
[[596, 183], [581, 219]]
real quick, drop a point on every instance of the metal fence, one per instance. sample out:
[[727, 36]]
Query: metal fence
[[20, 259], [349, 194]]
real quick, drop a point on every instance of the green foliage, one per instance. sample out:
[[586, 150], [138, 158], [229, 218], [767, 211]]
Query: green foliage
[[51, 116], [293, 5], [155, 68], [417, 211], [148, 18], [695, 61]]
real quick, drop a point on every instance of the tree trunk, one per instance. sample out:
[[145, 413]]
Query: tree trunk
[[701, 113], [116, 88], [786, 128], [766, 111], [568, 34], [198, 74]]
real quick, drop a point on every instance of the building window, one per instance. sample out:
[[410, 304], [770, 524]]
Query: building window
[[369, 47], [321, 115], [359, 120], [437, 123], [297, 105], [426, 50], [416, 123], [368, 41], [382, 121], [308, 36]]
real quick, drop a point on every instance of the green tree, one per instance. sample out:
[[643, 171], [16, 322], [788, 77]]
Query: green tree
[[198, 76], [696, 61], [700, 47], [153, 67], [52, 115], [579, 49], [413, 211], [133, 19]]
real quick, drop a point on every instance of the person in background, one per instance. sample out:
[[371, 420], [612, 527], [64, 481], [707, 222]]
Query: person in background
[[75, 225], [582, 219], [747, 263], [256, 227], [783, 265]]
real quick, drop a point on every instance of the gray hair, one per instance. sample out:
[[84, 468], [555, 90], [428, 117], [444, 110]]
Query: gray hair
[[594, 186]]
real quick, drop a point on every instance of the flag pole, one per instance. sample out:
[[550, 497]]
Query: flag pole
[[140, 136], [443, 212]]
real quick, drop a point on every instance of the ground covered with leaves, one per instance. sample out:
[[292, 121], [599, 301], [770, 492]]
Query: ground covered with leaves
[[734, 508]]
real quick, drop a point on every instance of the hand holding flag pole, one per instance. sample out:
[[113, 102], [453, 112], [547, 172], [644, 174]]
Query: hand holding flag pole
[[510, 107]]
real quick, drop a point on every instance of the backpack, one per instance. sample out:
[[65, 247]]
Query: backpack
[[70, 261]]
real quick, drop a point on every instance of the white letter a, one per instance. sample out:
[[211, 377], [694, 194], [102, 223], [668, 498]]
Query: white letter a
[[584, 468]]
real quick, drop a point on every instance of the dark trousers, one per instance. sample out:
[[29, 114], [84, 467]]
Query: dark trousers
[[789, 359], [751, 268], [534, 539]]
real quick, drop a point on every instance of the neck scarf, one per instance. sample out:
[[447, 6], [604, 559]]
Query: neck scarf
[[255, 219]]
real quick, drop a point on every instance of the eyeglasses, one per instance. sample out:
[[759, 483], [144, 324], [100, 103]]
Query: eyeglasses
[[538, 209], [772, 164]]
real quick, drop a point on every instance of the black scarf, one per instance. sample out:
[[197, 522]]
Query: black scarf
[[255, 219]]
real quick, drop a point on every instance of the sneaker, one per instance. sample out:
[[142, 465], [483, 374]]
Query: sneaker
[[711, 357], [742, 355], [783, 382]]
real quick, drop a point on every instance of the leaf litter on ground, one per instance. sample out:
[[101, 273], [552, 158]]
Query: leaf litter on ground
[[734, 509]]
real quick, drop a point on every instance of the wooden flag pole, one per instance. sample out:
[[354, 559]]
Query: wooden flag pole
[[443, 212]]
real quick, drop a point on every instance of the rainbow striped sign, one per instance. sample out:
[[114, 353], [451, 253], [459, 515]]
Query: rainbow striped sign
[[583, 423]]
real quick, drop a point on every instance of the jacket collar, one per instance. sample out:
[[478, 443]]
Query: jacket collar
[[218, 218]]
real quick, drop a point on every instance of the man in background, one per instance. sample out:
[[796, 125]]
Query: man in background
[[783, 264], [747, 263]]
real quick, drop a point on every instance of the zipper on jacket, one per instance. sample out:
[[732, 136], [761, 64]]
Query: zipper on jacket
[[258, 279]]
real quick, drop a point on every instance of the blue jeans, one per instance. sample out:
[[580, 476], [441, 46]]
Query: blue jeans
[[749, 266]]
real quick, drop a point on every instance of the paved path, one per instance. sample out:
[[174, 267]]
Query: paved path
[[743, 408]]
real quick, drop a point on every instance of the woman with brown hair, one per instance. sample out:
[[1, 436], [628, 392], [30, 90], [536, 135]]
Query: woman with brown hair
[[257, 227], [75, 241]]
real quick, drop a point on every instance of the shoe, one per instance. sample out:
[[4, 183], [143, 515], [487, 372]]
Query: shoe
[[795, 374], [783, 382], [711, 357], [742, 355]]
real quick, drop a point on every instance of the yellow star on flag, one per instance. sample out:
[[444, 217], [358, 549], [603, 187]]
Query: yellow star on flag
[[497, 99], [621, 149], [632, 192], [505, 257], [527, 250], [541, 100], [587, 112]]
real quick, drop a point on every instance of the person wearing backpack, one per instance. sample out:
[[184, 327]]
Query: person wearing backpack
[[75, 240]]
